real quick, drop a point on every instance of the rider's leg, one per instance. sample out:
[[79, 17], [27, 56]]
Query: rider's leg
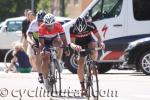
[[44, 65], [57, 43], [38, 66], [94, 53], [80, 72]]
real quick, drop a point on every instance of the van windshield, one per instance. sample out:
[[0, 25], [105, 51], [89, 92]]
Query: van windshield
[[106, 9]]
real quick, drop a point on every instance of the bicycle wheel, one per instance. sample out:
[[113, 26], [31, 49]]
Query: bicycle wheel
[[92, 81], [8, 57], [87, 80], [51, 77], [56, 91]]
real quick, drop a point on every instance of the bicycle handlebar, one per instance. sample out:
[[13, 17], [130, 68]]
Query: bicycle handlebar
[[53, 48], [89, 49]]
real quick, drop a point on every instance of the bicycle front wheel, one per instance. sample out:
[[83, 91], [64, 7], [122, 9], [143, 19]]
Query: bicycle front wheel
[[92, 82], [56, 91]]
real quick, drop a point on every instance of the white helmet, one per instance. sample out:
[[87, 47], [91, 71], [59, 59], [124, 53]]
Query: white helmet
[[49, 19]]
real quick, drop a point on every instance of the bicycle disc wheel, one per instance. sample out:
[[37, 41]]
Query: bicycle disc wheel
[[57, 85], [94, 81]]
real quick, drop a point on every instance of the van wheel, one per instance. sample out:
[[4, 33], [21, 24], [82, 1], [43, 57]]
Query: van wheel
[[70, 62], [104, 67], [144, 62]]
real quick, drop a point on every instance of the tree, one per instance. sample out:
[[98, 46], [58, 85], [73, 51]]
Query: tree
[[14, 8], [44, 5]]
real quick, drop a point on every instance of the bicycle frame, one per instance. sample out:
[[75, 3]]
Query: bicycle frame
[[54, 75], [89, 67]]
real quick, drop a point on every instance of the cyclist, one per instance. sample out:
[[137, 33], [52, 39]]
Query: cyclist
[[32, 37], [49, 35], [81, 38]]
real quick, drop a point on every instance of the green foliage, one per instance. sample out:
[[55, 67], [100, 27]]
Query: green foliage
[[14, 8], [44, 5]]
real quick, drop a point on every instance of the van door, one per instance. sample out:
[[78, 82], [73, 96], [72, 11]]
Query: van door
[[109, 17]]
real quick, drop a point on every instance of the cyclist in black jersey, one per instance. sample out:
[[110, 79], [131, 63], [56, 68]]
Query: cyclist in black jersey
[[81, 38]]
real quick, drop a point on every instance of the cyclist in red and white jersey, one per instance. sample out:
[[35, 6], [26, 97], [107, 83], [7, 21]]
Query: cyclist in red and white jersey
[[49, 35]]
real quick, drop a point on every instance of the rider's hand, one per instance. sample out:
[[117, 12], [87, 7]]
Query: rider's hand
[[36, 48], [101, 45], [78, 48], [67, 51]]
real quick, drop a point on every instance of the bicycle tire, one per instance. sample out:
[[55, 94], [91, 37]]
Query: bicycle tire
[[95, 83], [51, 70], [56, 88], [8, 57], [87, 83], [92, 86]]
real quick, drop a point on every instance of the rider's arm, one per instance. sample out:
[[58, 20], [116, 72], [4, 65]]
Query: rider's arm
[[29, 33], [29, 38], [97, 34], [72, 44], [41, 37], [41, 43]]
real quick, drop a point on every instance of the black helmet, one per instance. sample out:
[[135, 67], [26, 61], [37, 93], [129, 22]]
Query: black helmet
[[40, 15], [80, 24]]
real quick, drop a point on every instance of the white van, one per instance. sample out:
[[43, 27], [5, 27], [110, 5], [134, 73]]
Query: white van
[[119, 22]]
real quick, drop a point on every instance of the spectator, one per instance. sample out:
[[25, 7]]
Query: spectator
[[25, 25], [20, 60]]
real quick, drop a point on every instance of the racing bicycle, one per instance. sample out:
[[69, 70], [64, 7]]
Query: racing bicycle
[[54, 74], [91, 75]]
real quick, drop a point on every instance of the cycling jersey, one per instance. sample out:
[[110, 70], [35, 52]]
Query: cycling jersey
[[33, 29], [85, 37], [44, 33], [49, 36]]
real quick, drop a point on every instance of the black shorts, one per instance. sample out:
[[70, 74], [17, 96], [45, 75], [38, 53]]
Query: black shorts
[[49, 42], [83, 42]]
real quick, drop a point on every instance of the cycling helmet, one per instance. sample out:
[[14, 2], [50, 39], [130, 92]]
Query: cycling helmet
[[80, 24], [49, 19], [40, 15]]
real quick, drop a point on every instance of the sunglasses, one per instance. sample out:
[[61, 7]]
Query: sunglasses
[[49, 25]]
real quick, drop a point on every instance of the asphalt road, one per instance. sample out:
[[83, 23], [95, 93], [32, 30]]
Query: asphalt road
[[114, 85]]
